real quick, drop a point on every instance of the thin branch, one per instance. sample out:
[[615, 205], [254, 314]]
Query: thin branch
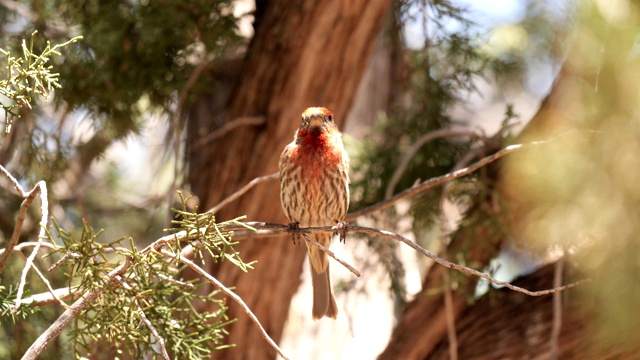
[[47, 284], [49, 297], [63, 321], [242, 191], [226, 128], [330, 253], [461, 268], [14, 182], [22, 215], [174, 281], [153, 330], [39, 189], [433, 182], [229, 293], [413, 150], [17, 229], [280, 228], [28, 244], [177, 114], [184, 92]]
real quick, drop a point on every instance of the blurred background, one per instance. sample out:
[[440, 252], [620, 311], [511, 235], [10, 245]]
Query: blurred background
[[202, 96]]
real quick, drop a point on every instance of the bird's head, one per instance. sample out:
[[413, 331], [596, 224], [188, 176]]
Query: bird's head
[[317, 129], [317, 118]]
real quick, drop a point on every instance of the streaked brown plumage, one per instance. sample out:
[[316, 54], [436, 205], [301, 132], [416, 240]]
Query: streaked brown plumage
[[314, 190]]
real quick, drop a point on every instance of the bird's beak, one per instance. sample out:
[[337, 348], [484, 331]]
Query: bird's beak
[[316, 121]]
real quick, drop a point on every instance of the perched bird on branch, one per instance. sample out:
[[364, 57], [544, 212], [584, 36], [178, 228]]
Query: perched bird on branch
[[314, 190]]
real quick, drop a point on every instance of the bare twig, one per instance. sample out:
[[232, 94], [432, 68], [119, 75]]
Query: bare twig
[[184, 92], [433, 135], [174, 281], [330, 253], [242, 191], [49, 297], [47, 284], [176, 119], [39, 189], [229, 293], [14, 182], [280, 228], [461, 268], [226, 128], [153, 330], [22, 215], [433, 182]]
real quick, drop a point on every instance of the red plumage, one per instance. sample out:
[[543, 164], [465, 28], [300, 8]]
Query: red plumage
[[314, 190]]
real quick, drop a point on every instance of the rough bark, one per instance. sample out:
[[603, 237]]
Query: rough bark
[[309, 53], [509, 325]]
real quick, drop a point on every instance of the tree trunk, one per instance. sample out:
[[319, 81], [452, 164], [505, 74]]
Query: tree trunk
[[310, 53], [505, 324]]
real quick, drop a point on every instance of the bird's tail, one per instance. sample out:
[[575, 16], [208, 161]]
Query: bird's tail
[[324, 303]]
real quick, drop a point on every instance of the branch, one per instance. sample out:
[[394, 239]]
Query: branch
[[433, 135], [280, 228], [39, 189], [50, 297], [243, 190], [330, 253], [153, 330], [433, 182], [47, 284], [241, 121], [56, 328], [229, 293], [111, 279]]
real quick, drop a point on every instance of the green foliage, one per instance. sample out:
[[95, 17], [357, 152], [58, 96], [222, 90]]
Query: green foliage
[[439, 75], [142, 49], [150, 290], [27, 76], [135, 58], [7, 303], [219, 246]]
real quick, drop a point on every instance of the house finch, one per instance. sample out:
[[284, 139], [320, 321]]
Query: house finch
[[314, 190]]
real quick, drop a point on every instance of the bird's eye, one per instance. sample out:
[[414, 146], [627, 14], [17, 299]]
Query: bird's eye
[[330, 118]]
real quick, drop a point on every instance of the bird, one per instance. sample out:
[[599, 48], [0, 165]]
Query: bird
[[314, 191]]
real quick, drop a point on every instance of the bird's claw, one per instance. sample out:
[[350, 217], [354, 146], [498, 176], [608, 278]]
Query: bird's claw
[[341, 229], [294, 230]]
